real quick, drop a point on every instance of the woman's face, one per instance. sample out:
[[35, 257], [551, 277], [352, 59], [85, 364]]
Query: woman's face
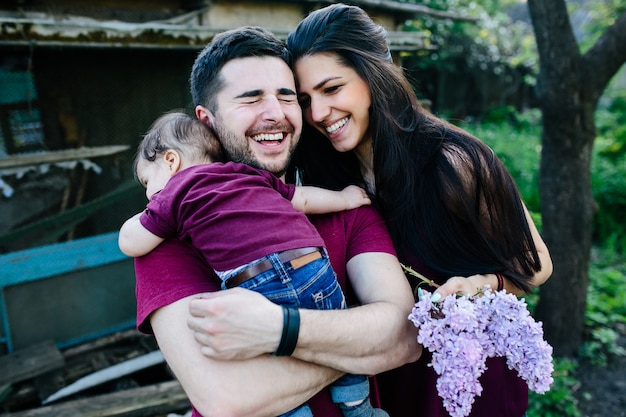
[[334, 99]]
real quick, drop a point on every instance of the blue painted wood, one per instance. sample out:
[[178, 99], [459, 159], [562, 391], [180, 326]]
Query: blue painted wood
[[6, 326], [51, 260]]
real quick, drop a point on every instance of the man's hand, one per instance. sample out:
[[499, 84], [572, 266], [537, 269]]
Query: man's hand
[[235, 324]]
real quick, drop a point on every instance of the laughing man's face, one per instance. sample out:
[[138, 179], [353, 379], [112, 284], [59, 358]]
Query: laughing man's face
[[258, 119]]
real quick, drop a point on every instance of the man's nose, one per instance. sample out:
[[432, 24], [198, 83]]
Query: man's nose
[[272, 109]]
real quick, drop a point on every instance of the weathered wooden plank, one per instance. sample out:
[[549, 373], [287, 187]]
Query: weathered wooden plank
[[48, 157], [139, 402], [104, 341], [29, 362], [108, 374]]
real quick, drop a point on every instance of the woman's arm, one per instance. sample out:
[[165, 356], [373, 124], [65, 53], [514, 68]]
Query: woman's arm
[[545, 272], [135, 240], [469, 285], [233, 388], [367, 339]]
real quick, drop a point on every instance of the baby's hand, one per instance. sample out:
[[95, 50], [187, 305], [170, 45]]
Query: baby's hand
[[355, 197]]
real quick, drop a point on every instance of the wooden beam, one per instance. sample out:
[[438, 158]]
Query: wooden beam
[[108, 374], [30, 362], [50, 157], [150, 400]]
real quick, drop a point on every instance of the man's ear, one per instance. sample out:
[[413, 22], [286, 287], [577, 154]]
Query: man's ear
[[173, 161], [204, 115]]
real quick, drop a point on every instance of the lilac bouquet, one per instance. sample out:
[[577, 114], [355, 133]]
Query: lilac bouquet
[[462, 332]]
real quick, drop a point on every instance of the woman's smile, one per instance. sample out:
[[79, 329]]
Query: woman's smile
[[334, 99]]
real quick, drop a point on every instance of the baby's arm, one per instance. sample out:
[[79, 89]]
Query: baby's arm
[[135, 240], [315, 200]]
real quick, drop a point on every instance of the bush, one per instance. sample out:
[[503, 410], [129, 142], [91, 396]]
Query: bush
[[608, 174], [559, 401], [605, 314]]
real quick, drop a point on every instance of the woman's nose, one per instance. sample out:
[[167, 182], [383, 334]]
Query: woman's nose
[[319, 110]]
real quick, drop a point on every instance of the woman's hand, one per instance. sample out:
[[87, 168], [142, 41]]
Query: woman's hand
[[468, 285]]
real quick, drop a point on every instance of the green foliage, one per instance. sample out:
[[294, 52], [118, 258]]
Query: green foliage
[[605, 315], [609, 189], [516, 140], [605, 320], [610, 119], [608, 173], [598, 15], [492, 43], [559, 401]]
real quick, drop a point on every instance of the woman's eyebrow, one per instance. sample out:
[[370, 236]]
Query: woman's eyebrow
[[324, 81]]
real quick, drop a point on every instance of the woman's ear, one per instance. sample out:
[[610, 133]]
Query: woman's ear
[[173, 161]]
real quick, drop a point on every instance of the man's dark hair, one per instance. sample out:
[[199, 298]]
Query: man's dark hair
[[244, 42]]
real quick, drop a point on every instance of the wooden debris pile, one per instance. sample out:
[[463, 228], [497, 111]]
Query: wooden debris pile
[[119, 375]]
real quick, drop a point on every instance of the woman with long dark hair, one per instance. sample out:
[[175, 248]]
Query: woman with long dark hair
[[454, 212]]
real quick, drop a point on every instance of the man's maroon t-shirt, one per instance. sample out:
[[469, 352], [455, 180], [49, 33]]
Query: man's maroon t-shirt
[[174, 271]]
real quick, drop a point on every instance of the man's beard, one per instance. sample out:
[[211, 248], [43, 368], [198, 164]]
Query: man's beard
[[236, 149]]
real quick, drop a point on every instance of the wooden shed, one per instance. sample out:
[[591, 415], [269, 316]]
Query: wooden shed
[[78, 79]]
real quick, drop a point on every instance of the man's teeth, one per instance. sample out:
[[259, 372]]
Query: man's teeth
[[268, 136], [336, 126]]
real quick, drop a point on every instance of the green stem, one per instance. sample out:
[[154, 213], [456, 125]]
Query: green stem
[[411, 271]]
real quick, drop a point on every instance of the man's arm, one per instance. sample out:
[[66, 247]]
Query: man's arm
[[372, 338], [135, 240], [367, 339], [234, 388]]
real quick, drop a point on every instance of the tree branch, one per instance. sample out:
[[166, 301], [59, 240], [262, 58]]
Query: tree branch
[[607, 55]]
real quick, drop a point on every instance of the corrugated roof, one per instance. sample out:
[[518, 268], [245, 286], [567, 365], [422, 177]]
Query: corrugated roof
[[42, 29]]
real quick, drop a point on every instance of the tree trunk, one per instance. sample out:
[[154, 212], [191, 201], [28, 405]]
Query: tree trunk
[[568, 88], [567, 210]]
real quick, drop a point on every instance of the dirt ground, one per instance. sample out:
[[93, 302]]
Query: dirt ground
[[602, 391]]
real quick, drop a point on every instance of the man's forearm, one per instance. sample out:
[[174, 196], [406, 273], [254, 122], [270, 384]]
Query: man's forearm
[[371, 338], [387, 339], [234, 388], [368, 339]]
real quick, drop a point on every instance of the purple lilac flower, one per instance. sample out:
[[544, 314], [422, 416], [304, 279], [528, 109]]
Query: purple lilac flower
[[462, 332], [519, 338]]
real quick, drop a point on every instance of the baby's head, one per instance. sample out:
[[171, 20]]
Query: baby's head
[[174, 133]]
